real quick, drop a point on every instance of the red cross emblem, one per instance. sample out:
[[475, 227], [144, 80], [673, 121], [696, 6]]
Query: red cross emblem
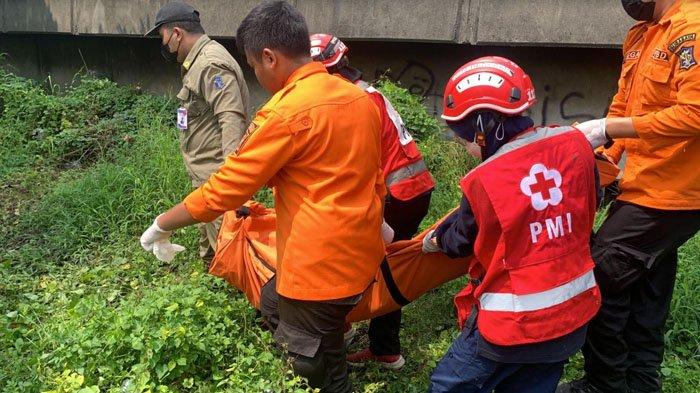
[[542, 185]]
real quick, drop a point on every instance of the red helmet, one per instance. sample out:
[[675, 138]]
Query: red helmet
[[327, 49], [489, 82]]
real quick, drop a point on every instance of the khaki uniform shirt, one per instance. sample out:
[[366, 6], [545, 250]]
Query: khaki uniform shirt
[[215, 97]]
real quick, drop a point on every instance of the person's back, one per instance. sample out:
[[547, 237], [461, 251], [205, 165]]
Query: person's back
[[534, 202], [336, 137], [409, 186], [526, 216], [405, 173]]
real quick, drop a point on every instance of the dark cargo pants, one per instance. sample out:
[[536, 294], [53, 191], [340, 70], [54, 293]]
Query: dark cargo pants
[[312, 334], [464, 370], [635, 252], [404, 217]]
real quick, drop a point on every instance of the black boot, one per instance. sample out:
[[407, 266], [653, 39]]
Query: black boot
[[578, 386]]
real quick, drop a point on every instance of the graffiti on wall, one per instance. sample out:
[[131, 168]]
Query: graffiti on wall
[[417, 78], [571, 107], [553, 106]]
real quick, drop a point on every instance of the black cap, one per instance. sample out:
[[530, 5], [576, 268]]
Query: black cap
[[174, 12]]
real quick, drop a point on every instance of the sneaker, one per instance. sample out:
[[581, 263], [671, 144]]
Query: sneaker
[[361, 358], [349, 334], [578, 386]]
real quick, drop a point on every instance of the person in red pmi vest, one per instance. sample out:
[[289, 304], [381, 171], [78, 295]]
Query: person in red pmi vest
[[526, 214], [409, 185]]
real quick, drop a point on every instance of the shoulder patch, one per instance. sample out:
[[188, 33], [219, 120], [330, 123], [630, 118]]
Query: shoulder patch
[[218, 82], [673, 46], [687, 57]]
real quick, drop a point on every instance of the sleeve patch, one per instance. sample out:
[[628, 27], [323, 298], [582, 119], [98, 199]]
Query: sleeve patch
[[218, 82]]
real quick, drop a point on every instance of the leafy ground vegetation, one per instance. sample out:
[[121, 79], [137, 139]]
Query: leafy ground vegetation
[[84, 168]]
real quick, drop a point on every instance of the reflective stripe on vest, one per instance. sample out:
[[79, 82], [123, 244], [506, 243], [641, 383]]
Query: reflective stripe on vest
[[365, 86], [405, 172], [510, 302]]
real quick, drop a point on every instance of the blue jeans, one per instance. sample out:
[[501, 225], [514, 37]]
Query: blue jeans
[[463, 370]]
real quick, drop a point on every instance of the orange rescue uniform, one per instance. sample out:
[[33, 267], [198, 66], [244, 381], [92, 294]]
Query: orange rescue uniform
[[659, 89], [317, 142]]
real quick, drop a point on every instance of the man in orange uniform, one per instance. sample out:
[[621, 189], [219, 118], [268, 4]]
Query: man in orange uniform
[[409, 186], [657, 107], [316, 141]]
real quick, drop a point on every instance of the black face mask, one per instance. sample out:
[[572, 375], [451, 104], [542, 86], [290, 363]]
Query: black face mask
[[639, 10], [170, 57], [499, 129]]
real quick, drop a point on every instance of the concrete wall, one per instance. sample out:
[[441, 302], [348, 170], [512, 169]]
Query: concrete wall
[[590, 23], [573, 84]]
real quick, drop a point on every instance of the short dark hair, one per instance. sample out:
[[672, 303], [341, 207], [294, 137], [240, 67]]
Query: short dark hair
[[275, 25], [187, 25]]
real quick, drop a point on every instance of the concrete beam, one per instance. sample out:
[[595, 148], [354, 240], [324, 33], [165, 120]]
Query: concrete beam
[[408, 20], [221, 18], [320, 15], [589, 23], [114, 17], [41, 16], [133, 18], [466, 31]]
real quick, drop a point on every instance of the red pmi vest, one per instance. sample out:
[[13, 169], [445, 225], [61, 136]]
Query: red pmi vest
[[534, 203], [405, 173]]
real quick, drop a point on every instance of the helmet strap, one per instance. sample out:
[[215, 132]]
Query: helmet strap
[[494, 122], [500, 131], [483, 130]]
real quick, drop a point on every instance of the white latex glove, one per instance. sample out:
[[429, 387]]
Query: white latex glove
[[387, 233], [594, 130], [157, 240], [429, 245], [166, 251]]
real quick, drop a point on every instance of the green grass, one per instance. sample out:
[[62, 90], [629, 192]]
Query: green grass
[[85, 168]]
